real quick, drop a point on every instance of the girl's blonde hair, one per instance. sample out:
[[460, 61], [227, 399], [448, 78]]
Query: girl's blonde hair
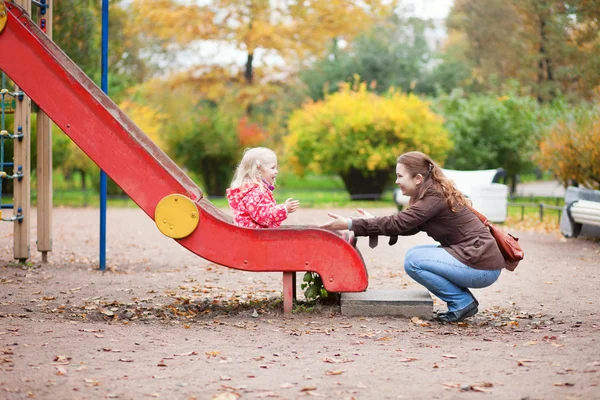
[[415, 163], [248, 170]]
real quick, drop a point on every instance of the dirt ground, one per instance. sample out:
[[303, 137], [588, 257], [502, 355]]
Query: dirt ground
[[163, 323]]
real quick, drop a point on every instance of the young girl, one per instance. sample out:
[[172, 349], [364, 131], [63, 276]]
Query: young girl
[[250, 195]]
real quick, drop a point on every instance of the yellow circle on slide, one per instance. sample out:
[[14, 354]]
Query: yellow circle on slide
[[176, 216]]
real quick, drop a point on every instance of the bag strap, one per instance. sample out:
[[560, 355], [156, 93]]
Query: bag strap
[[479, 215]]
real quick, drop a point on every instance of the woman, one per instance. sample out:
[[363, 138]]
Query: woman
[[467, 257]]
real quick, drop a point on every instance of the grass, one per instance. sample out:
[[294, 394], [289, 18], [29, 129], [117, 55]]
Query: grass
[[313, 191]]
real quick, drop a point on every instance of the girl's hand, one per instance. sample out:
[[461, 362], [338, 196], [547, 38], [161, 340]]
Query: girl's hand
[[364, 213], [339, 223], [291, 205]]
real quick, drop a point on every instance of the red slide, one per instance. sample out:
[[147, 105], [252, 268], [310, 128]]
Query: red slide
[[148, 175]]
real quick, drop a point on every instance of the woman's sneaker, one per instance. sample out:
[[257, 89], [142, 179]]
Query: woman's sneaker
[[459, 315]]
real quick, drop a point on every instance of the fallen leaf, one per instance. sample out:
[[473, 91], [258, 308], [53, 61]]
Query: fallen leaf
[[336, 361], [191, 353], [111, 350], [126, 359], [226, 396], [308, 388], [523, 363], [476, 388], [266, 394], [451, 385], [449, 355], [409, 359], [334, 372], [563, 384], [61, 360], [60, 370], [420, 322]]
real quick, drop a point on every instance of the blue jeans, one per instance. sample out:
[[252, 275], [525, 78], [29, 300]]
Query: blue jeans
[[445, 276]]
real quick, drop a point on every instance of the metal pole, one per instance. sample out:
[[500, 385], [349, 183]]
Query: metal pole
[[104, 85]]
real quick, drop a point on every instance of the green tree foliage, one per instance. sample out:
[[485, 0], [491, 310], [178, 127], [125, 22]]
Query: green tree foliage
[[203, 138], [491, 132], [450, 69], [359, 135], [77, 31], [392, 54]]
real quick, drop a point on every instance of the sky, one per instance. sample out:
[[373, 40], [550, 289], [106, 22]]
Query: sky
[[430, 9]]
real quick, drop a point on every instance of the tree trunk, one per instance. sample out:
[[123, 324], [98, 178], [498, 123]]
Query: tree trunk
[[83, 182], [545, 68], [514, 179], [541, 69], [249, 75]]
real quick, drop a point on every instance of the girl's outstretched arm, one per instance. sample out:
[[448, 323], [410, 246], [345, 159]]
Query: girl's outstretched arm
[[263, 210]]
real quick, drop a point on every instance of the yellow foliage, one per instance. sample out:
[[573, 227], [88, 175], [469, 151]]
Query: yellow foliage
[[355, 128], [148, 119], [290, 31], [572, 153]]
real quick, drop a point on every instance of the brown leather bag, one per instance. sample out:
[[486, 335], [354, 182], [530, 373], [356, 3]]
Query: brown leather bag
[[508, 244]]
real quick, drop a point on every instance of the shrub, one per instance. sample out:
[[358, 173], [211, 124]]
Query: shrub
[[206, 141], [359, 134], [571, 151], [491, 132]]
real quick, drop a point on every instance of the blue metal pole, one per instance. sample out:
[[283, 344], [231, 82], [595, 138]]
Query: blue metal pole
[[104, 85], [2, 97]]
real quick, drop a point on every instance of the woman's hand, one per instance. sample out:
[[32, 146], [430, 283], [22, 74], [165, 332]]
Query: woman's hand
[[339, 223], [291, 205], [364, 213]]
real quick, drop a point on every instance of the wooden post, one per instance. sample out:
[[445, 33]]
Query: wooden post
[[44, 161], [289, 291], [22, 165]]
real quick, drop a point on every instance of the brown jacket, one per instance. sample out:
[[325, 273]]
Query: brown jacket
[[460, 233]]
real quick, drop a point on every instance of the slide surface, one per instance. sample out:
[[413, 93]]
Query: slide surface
[[148, 175]]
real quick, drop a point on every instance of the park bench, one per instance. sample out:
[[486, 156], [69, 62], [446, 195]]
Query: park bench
[[481, 187], [581, 212]]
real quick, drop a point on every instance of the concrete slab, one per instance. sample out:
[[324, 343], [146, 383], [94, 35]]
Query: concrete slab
[[388, 302]]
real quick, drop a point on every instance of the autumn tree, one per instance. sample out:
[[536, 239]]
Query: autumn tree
[[569, 148], [285, 32], [548, 45]]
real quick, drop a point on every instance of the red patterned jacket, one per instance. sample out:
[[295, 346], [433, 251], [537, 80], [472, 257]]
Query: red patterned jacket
[[254, 207]]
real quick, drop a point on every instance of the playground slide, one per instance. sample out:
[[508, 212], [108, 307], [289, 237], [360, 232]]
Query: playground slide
[[150, 177]]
